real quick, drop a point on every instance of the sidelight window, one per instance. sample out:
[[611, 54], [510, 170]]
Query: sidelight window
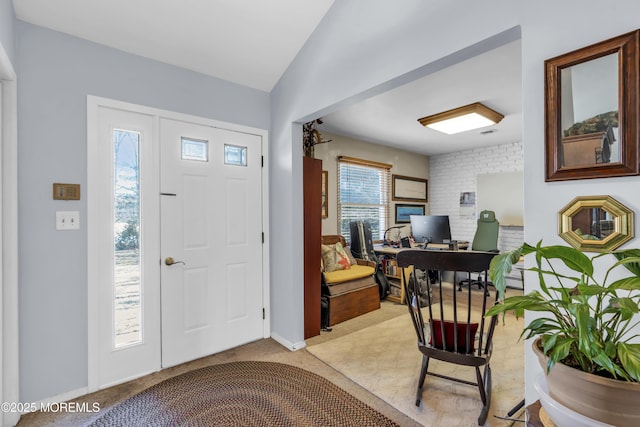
[[127, 286]]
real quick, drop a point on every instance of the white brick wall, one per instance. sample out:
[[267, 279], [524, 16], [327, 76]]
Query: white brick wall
[[454, 173]]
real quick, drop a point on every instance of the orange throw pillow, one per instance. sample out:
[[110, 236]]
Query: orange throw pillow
[[335, 258]]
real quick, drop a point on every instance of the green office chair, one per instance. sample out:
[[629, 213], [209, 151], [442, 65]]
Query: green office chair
[[486, 240]]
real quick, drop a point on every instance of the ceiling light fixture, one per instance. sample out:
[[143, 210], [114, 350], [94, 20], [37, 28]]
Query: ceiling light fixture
[[461, 119]]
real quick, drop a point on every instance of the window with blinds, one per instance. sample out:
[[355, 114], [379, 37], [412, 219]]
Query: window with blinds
[[363, 194]]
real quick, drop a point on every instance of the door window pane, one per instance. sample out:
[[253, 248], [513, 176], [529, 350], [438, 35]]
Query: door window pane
[[235, 155], [195, 149], [127, 267]]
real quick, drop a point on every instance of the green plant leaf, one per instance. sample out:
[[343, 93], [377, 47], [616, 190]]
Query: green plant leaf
[[561, 349], [629, 355], [515, 303], [584, 323], [553, 273], [626, 284], [590, 290], [548, 342], [501, 265], [588, 322], [538, 256], [605, 362], [561, 303], [610, 349], [543, 326], [627, 307], [571, 257], [633, 265]]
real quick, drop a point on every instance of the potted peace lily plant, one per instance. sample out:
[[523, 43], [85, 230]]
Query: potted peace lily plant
[[587, 335]]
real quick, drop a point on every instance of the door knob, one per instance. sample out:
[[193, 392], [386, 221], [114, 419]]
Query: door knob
[[170, 261]]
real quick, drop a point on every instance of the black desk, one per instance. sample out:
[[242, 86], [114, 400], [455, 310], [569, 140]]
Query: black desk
[[396, 277]]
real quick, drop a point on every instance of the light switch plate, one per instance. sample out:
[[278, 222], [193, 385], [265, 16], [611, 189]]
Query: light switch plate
[[67, 220]]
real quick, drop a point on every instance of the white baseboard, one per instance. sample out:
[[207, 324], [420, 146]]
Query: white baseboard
[[67, 396], [288, 344]]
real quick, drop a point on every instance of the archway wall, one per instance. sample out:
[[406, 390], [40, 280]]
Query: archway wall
[[364, 47]]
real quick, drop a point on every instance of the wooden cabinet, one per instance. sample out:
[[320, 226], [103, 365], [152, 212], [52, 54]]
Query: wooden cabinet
[[312, 201]]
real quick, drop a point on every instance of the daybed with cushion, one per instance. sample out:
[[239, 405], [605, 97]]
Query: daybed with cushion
[[348, 283]]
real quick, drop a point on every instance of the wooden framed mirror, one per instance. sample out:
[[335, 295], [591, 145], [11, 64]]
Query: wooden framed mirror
[[595, 223], [591, 111]]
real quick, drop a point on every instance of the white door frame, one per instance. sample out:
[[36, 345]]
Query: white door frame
[[93, 104], [9, 359]]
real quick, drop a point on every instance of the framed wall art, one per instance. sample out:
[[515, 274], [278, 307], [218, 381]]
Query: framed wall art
[[408, 189], [404, 212]]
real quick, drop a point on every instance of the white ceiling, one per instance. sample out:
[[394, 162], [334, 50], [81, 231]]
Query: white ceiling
[[493, 78], [252, 42]]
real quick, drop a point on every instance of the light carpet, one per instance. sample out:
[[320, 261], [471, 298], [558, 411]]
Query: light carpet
[[385, 359]]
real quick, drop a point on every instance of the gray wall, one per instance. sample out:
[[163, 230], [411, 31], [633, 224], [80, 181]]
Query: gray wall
[[365, 46], [7, 20], [56, 72], [362, 47]]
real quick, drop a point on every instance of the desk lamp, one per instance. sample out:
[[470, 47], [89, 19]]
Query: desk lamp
[[384, 238]]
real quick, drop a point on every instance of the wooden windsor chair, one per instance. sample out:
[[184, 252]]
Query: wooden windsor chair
[[455, 330]]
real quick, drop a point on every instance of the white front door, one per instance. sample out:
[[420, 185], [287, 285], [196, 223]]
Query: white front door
[[211, 226], [162, 184]]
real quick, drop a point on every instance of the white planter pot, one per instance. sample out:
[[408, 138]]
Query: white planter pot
[[560, 414]]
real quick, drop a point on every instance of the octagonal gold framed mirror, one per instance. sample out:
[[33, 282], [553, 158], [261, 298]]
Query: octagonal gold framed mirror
[[595, 223]]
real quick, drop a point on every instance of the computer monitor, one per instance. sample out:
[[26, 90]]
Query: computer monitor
[[430, 228]]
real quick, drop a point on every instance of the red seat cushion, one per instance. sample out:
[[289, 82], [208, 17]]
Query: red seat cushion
[[436, 337]]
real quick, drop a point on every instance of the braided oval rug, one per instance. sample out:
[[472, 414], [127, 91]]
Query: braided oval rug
[[244, 394]]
